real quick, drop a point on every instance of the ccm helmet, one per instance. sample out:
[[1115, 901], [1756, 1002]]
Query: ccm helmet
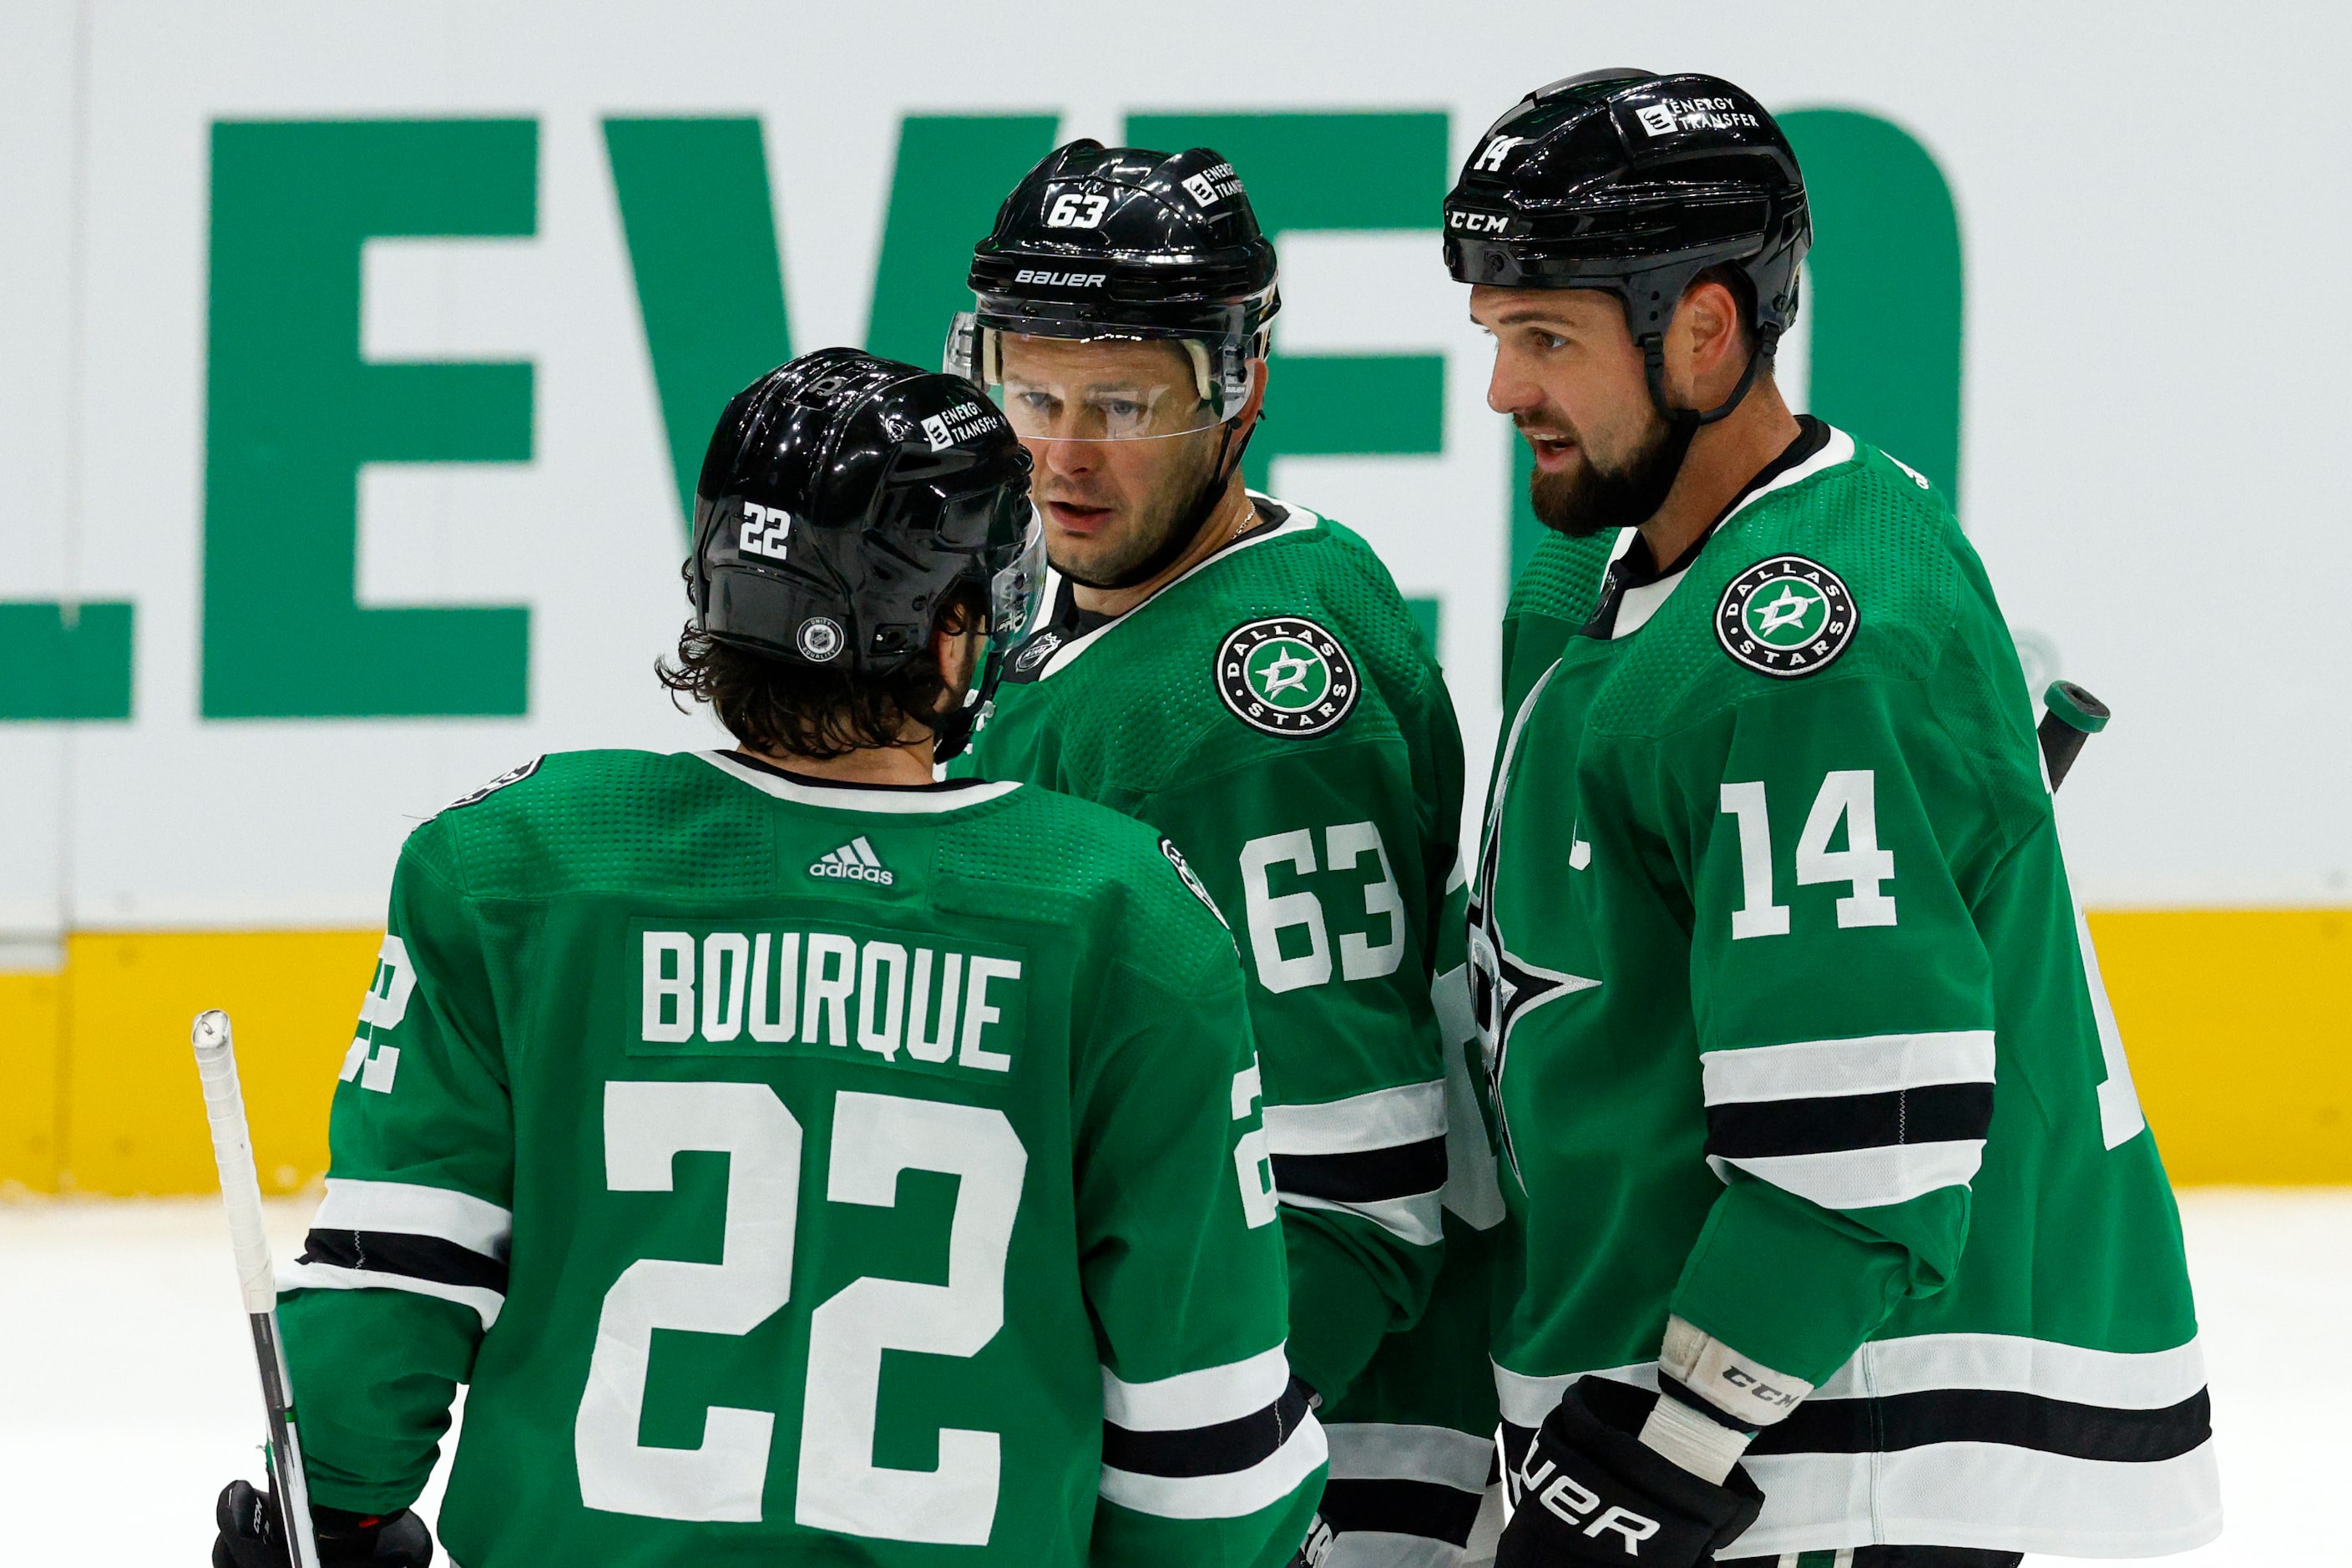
[[843, 502], [1634, 182]]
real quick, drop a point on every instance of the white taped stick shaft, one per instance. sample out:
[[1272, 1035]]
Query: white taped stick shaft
[[240, 1182]]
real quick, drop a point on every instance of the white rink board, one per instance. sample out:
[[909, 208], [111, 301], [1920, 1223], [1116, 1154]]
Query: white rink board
[[2148, 430], [131, 1397]]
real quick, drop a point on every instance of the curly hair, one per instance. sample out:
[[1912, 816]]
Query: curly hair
[[775, 705]]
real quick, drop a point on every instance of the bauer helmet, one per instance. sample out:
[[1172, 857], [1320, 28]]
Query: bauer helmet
[[844, 501], [1122, 242], [1634, 182]]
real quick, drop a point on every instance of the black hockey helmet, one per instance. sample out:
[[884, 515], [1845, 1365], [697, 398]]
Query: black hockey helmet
[[843, 500], [1124, 242], [1634, 182]]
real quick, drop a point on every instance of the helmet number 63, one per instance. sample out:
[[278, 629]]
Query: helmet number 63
[[1071, 210]]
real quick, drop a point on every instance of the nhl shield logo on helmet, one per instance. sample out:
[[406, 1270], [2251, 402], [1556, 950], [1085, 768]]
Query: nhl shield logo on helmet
[[1786, 616], [1286, 676], [819, 639]]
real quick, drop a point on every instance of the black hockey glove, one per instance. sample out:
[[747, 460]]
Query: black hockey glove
[[1589, 1491], [252, 1536]]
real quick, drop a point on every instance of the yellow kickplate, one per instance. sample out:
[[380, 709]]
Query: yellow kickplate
[[2239, 1023], [134, 1120], [32, 1037], [2239, 1026]]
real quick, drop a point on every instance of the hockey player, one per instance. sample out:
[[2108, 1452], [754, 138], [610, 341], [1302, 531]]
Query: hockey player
[[1834, 1224], [1243, 675], [801, 1160]]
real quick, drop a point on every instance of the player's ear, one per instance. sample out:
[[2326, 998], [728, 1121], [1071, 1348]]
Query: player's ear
[[1714, 315]]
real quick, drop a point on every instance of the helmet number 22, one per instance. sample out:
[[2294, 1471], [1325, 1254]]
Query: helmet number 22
[[765, 529], [840, 1488], [1071, 210]]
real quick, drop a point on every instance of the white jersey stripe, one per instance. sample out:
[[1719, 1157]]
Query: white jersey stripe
[[1383, 1451], [1415, 1220], [1869, 1064], [1383, 1119], [875, 801], [1526, 1400], [1226, 1495], [1865, 1178], [2014, 1364], [408, 1209], [1989, 1496], [1209, 1397], [1385, 1548], [328, 1277], [1919, 1363]]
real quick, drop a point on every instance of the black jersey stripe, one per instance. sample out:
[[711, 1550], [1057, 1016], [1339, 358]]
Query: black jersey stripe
[[1213, 1450], [430, 1257], [1364, 1175], [1892, 1423], [1428, 1509], [1898, 1421], [1825, 1124]]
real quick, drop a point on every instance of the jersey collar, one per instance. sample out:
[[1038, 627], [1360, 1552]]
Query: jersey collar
[[1292, 519], [1634, 589], [884, 800]]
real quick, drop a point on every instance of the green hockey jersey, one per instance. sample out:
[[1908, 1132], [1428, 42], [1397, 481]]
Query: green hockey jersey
[[1802, 1066], [803, 1172], [1275, 713]]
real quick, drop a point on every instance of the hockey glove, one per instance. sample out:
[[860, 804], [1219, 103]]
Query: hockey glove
[[252, 1536], [1588, 1491]]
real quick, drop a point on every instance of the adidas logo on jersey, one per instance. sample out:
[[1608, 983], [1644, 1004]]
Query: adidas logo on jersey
[[853, 862]]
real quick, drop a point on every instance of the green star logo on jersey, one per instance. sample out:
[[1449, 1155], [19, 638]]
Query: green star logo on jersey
[[1286, 676], [1785, 617]]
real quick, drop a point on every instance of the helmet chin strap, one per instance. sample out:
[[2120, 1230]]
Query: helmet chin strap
[[1683, 424], [1194, 517]]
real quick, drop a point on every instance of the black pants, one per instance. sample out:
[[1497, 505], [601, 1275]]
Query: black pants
[[1888, 1557]]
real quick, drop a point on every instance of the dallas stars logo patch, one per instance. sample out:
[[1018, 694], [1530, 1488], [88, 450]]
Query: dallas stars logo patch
[[1785, 617], [1286, 676]]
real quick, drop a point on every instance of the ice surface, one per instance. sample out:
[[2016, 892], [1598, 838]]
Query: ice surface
[[127, 1390]]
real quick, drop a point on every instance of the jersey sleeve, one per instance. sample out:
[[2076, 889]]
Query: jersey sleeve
[[1210, 1453], [1332, 865], [1844, 1012], [404, 1267]]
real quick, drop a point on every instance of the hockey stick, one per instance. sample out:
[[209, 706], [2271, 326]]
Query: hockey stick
[[2073, 716], [241, 1194]]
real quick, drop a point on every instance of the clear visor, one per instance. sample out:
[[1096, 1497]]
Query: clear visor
[[1017, 591], [1106, 387]]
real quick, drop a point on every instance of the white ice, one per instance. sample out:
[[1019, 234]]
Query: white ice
[[127, 1390]]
